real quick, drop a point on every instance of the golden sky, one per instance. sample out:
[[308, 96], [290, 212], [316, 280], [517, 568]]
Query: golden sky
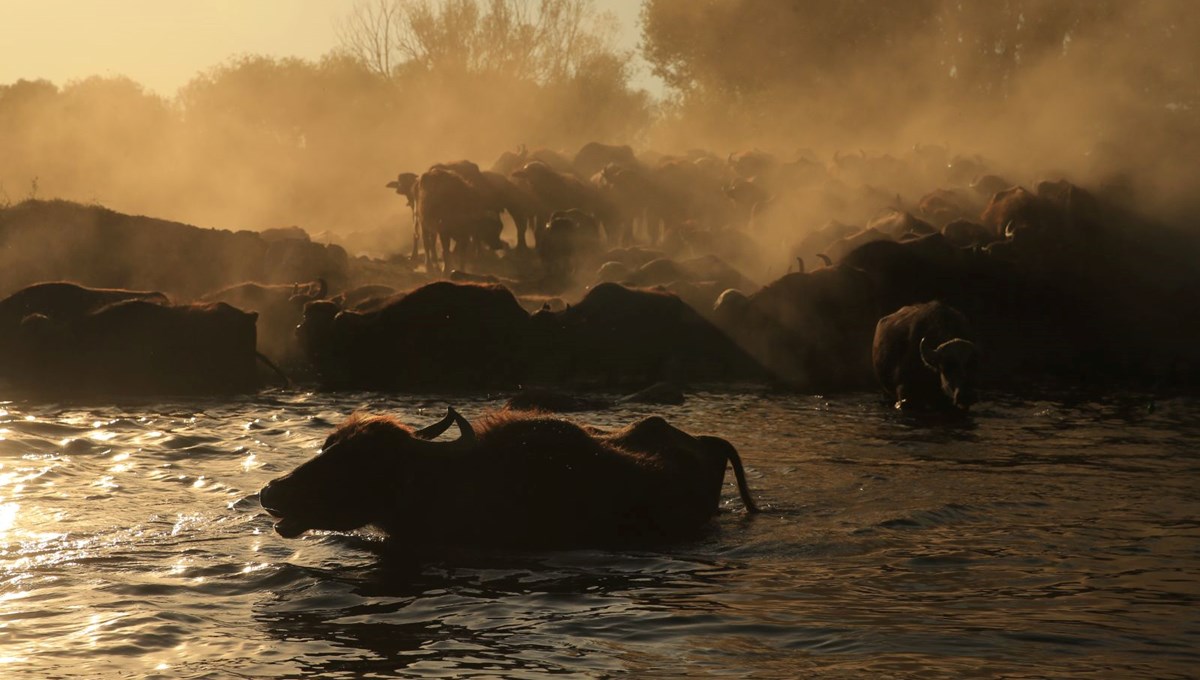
[[163, 43]]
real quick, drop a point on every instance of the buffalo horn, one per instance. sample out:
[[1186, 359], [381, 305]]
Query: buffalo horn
[[435, 430], [929, 355], [1008, 229], [466, 435], [825, 258]]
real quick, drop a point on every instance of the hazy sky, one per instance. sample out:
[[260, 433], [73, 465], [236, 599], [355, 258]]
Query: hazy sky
[[163, 43]]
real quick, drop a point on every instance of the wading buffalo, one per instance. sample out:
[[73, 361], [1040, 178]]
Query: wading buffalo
[[65, 299], [924, 356], [619, 337], [280, 308], [139, 347], [59, 300], [441, 335], [515, 481], [811, 330]]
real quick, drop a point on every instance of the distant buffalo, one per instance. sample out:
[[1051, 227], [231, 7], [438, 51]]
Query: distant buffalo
[[515, 480]]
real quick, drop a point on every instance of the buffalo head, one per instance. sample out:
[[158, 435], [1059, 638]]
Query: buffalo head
[[954, 361], [358, 475]]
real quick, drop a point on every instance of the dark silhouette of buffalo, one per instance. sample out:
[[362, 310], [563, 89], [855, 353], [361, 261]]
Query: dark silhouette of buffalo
[[450, 208], [568, 238], [137, 347], [811, 330], [58, 300], [443, 335], [925, 356], [593, 156], [405, 184], [516, 480], [280, 308], [558, 191], [64, 298], [621, 337]]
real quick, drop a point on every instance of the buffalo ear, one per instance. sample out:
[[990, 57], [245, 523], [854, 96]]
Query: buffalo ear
[[929, 355]]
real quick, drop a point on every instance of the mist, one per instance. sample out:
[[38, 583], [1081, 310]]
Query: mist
[[1103, 93]]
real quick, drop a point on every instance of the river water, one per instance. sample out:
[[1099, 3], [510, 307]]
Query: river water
[[1039, 538]]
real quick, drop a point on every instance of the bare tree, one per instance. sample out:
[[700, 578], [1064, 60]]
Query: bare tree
[[368, 33], [542, 40]]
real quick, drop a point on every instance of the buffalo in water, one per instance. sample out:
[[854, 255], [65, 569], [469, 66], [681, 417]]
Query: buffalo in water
[[813, 330], [280, 308], [515, 480], [137, 347], [441, 335], [59, 300], [925, 357], [621, 337]]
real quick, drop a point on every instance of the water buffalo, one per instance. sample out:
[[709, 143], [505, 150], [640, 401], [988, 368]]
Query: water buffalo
[[965, 233], [593, 156], [559, 191], [1016, 212], [906, 272], [443, 335], [811, 330], [405, 184], [514, 480], [136, 347], [897, 223], [451, 209], [925, 356], [499, 194], [63, 298], [59, 300], [570, 237], [280, 308], [619, 337]]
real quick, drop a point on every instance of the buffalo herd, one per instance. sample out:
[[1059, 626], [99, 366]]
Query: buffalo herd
[[926, 276], [629, 270]]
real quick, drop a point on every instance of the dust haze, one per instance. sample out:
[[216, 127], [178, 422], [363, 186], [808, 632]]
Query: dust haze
[[1103, 93]]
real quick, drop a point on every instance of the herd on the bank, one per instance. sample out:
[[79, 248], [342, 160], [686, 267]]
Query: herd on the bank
[[628, 271], [975, 281]]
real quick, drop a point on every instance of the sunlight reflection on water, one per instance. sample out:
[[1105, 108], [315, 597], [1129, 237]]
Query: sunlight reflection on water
[[1040, 538]]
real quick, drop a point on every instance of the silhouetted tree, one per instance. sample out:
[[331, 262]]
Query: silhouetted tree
[[545, 41]]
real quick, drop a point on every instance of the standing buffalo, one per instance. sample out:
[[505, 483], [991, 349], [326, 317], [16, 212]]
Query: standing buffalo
[[924, 356], [556, 191], [405, 184], [593, 156], [515, 481], [571, 236], [451, 209]]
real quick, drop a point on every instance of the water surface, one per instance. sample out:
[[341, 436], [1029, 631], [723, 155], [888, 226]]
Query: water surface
[[1036, 539]]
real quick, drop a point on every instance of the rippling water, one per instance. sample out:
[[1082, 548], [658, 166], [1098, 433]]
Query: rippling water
[[1040, 538]]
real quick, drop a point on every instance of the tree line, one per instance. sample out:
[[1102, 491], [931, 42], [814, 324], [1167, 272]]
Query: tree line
[[257, 141]]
